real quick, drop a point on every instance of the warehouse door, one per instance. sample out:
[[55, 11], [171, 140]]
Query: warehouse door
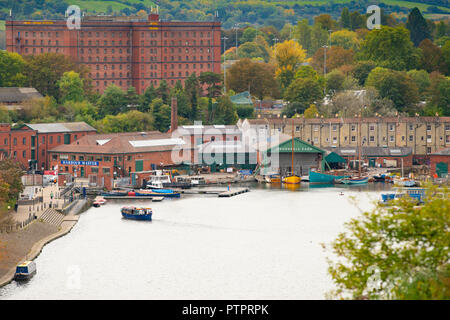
[[139, 165], [441, 169], [67, 138]]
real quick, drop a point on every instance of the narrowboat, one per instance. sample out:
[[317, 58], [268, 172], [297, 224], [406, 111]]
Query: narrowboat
[[318, 177], [115, 193], [25, 271], [137, 213], [197, 181], [155, 193]]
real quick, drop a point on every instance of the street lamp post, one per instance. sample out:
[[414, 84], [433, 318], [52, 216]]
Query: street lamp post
[[236, 27], [224, 66]]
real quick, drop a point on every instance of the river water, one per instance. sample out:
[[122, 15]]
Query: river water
[[265, 244]]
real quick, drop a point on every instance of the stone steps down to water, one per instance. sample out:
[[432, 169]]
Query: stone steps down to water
[[53, 217]]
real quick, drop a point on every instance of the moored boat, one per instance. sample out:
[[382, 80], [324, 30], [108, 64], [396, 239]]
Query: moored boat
[[25, 271], [292, 179], [156, 193], [137, 213], [115, 194], [318, 177], [98, 202], [355, 180], [272, 178]]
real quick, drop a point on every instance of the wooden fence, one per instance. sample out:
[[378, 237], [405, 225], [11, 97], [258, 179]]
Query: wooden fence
[[16, 226]]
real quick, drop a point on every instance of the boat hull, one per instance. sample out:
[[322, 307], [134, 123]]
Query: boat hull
[[318, 177], [355, 181], [147, 217], [24, 276], [155, 193], [292, 180]]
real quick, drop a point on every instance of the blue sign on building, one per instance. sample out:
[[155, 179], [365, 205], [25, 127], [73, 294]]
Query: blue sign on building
[[80, 163]]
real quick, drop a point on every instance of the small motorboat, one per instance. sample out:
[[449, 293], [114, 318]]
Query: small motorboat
[[272, 178], [137, 213], [98, 202], [25, 271]]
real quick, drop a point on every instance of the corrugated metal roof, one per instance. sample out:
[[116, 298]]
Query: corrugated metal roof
[[156, 142], [60, 127], [17, 95]]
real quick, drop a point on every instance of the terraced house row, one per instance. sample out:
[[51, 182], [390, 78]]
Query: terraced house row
[[424, 135]]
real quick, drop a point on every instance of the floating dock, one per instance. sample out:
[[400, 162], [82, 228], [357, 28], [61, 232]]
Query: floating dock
[[233, 192], [134, 198], [219, 192]]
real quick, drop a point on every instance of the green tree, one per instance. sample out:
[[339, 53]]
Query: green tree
[[253, 50], [71, 87], [161, 114], [396, 86], [345, 18], [303, 35], [311, 112], [212, 81], [10, 181], [418, 27], [421, 78], [362, 69], [432, 58], [44, 70], [249, 35], [192, 89], [335, 81], [12, 68], [113, 101], [147, 98], [301, 94], [225, 112], [163, 91], [390, 48], [131, 121], [395, 252]]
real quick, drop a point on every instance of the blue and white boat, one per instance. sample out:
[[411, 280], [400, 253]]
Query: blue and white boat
[[137, 213], [417, 194], [169, 193], [25, 270]]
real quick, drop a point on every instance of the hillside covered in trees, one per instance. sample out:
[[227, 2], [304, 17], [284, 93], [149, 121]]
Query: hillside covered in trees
[[255, 12]]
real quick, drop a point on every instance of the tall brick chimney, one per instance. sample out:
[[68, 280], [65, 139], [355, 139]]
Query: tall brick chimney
[[174, 115]]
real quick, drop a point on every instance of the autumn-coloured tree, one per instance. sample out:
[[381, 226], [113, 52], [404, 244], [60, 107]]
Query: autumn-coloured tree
[[44, 70], [336, 57], [432, 58], [288, 56], [345, 38], [256, 77]]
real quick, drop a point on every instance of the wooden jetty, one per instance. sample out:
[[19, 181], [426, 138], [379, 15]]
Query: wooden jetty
[[134, 198], [219, 192]]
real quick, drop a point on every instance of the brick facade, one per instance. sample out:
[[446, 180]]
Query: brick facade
[[125, 53]]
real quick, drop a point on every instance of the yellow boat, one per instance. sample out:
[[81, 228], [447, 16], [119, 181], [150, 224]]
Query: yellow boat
[[292, 179]]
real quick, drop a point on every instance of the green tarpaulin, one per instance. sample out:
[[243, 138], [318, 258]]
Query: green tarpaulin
[[334, 158]]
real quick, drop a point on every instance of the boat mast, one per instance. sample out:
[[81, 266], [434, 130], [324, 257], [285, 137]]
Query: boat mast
[[293, 147], [359, 146]]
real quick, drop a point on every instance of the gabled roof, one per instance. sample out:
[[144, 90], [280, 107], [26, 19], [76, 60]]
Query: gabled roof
[[300, 146], [243, 98], [120, 143], [60, 127]]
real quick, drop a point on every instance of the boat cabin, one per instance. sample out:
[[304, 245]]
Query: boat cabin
[[25, 270]]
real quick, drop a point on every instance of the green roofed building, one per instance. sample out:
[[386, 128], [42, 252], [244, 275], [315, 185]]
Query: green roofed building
[[278, 158], [242, 99]]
